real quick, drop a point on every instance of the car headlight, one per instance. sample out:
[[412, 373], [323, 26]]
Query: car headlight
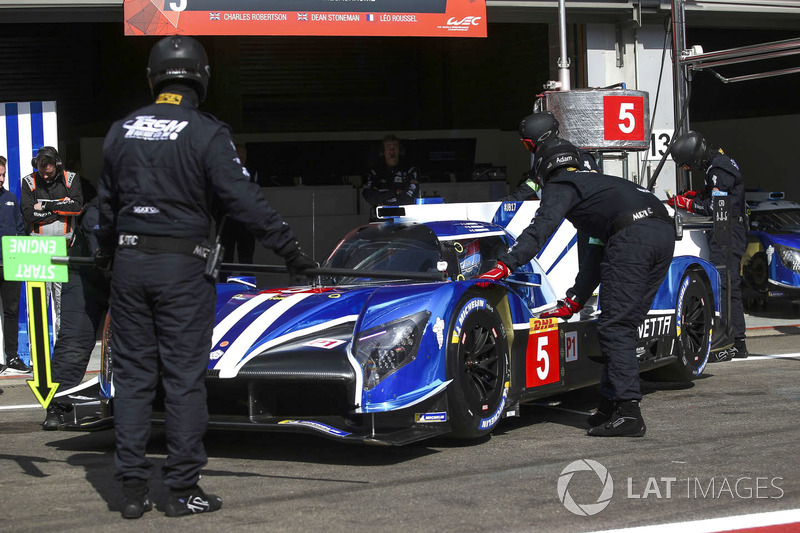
[[790, 257], [384, 349]]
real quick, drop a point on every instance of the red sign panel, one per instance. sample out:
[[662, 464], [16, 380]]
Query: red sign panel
[[541, 358], [623, 118], [412, 18]]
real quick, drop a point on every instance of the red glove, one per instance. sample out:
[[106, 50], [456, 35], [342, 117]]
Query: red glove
[[682, 202], [689, 194], [566, 308], [499, 272]]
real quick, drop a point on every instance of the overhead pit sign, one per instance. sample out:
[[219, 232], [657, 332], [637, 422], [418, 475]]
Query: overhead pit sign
[[403, 18]]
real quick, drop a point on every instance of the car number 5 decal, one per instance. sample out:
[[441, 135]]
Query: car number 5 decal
[[542, 356]]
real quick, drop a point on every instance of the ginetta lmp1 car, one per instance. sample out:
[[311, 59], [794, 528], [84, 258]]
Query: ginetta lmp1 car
[[381, 361], [771, 263]]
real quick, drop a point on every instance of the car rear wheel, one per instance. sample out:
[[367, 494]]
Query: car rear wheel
[[756, 272], [694, 322], [477, 364]]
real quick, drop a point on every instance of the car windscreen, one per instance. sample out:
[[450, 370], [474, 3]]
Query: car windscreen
[[385, 247], [778, 221]]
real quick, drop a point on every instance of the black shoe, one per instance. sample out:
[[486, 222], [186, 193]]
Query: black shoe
[[16, 366], [135, 501], [57, 416], [741, 349], [626, 421], [191, 501], [721, 356], [603, 413]]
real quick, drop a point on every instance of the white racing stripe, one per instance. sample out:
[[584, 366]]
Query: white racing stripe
[[228, 322], [288, 337], [253, 332]]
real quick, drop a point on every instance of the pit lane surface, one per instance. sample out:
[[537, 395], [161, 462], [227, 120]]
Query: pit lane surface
[[722, 446]]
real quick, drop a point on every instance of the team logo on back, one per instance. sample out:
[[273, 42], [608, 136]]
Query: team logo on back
[[148, 128]]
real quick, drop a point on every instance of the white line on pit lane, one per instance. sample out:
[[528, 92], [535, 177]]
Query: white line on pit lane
[[765, 357], [728, 523]]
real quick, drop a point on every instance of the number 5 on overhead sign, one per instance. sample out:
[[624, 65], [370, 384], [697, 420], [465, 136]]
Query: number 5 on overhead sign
[[623, 118]]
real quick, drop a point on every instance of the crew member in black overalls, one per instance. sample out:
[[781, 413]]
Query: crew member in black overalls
[[84, 304], [691, 151], [162, 165], [639, 241], [534, 130]]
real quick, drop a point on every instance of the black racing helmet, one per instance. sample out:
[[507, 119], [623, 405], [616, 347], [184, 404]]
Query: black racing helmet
[[690, 150], [553, 155], [537, 128], [178, 58]]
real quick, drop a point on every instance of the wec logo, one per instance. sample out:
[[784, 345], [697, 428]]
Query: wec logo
[[466, 21]]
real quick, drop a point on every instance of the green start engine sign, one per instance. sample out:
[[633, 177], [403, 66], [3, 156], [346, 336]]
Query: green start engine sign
[[28, 258]]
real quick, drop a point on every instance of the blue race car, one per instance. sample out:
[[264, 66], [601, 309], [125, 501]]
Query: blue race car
[[771, 263], [358, 358]]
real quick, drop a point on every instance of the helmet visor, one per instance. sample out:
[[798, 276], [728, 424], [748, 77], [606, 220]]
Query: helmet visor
[[529, 145]]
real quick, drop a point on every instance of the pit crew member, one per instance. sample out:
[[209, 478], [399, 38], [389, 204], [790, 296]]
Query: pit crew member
[[639, 241], [691, 151], [162, 164]]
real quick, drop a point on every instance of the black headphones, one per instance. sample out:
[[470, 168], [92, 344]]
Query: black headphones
[[52, 153]]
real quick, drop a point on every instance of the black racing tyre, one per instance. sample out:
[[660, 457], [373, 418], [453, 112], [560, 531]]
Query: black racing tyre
[[756, 272], [694, 321], [477, 364]]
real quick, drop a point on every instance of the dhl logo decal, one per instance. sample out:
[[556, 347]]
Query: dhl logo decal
[[543, 325]]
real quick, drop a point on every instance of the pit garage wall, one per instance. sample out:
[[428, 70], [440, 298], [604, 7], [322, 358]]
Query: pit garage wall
[[633, 55]]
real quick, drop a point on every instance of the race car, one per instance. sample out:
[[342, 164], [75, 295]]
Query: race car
[[771, 263], [357, 357]]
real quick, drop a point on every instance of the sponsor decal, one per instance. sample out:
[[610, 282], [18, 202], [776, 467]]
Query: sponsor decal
[[470, 306], [169, 98], [324, 428], [655, 326], [644, 213], [148, 128], [571, 346], [490, 422], [146, 210], [430, 418], [223, 344], [326, 344], [216, 354], [438, 328]]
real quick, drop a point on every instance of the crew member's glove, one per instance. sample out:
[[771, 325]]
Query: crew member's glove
[[102, 260], [566, 308], [296, 260], [682, 202], [499, 272]]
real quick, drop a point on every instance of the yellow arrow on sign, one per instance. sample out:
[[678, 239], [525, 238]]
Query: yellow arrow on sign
[[39, 332]]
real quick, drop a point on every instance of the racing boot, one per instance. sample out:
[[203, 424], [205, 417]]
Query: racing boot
[[56, 417], [626, 421], [740, 349], [603, 413], [191, 500], [16, 366], [721, 356], [135, 500]]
